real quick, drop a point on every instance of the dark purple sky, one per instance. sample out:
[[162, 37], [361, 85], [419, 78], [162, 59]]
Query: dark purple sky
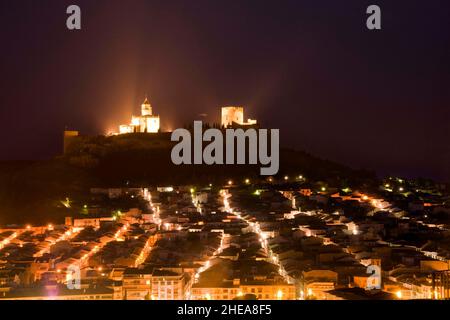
[[375, 100]]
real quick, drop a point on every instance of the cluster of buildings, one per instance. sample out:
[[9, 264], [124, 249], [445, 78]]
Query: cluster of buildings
[[165, 253], [265, 242], [234, 116], [375, 244], [148, 122]]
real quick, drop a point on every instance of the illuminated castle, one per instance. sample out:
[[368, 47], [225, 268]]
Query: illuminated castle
[[146, 122], [232, 116]]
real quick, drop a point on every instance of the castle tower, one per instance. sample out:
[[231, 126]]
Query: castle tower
[[146, 108], [147, 122], [69, 137], [232, 114]]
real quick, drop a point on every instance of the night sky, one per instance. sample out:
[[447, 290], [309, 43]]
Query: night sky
[[369, 99]]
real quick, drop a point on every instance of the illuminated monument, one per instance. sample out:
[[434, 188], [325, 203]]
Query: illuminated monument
[[234, 116], [146, 122]]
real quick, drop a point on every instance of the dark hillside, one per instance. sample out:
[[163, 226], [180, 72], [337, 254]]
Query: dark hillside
[[33, 191]]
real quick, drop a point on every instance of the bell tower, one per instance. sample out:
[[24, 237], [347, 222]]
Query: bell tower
[[146, 108]]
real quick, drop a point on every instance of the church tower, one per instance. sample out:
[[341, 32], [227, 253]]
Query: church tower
[[147, 122], [146, 108]]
